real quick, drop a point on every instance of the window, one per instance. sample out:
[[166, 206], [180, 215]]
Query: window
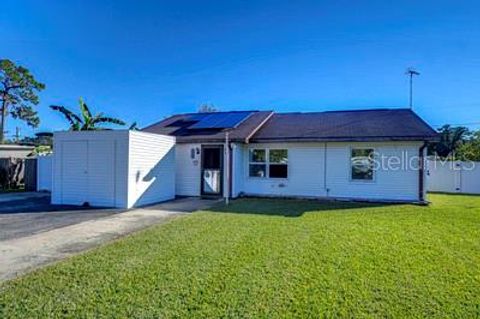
[[273, 162], [278, 167], [257, 165], [362, 164]]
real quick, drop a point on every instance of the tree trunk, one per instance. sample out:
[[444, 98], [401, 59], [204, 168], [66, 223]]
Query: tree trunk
[[3, 115]]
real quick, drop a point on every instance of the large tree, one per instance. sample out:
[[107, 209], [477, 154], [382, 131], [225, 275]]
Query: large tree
[[86, 121], [18, 95]]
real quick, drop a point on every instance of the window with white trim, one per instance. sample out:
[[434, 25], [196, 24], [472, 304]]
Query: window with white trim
[[278, 163], [268, 163], [362, 162]]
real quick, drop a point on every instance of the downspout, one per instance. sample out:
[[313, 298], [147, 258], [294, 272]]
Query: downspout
[[421, 172], [227, 170], [230, 167], [325, 169]]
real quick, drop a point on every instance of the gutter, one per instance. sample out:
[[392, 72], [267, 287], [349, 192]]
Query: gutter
[[421, 173], [255, 130]]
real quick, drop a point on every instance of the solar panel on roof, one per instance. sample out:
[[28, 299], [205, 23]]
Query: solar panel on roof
[[196, 117], [221, 120]]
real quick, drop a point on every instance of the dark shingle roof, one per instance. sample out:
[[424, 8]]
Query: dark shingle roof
[[178, 126], [266, 126], [361, 125]]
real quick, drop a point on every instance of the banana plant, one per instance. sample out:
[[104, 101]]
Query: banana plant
[[85, 121]]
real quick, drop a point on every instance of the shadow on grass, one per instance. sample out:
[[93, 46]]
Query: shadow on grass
[[287, 207]]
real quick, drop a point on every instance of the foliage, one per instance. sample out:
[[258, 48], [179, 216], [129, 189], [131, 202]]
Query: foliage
[[42, 149], [470, 149], [40, 139], [86, 121], [270, 259], [451, 138], [207, 107], [18, 95]]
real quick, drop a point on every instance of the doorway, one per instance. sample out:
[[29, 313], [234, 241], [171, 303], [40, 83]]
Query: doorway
[[212, 171]]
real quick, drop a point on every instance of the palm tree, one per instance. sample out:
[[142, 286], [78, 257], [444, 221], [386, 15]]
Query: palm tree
[[451, 138], [86, 121]]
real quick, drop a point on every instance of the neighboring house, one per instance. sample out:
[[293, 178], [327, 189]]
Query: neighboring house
[[15, 151], [315, 155]]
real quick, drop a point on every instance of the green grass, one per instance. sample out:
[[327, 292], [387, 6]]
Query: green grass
[[274, 258]]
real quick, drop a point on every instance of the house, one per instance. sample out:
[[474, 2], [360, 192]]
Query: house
[[15, 151], [375, 155], [335, 154]]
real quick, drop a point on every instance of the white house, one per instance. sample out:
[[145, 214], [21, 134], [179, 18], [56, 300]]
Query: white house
[[375, 155], [318, 155]]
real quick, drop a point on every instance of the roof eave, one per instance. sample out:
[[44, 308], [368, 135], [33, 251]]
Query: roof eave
[[346, 139]]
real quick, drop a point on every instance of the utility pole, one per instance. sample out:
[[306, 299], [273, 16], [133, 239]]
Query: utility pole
[[411, 72], [17, 134]]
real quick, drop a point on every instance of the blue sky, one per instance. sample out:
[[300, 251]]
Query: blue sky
[[144, 60]]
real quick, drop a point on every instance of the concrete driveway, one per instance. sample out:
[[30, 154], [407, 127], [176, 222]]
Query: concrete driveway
[[24, 214], [25, 250]]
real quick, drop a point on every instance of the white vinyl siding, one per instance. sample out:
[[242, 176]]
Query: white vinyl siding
[[401, 184], [314, 172], [73, 172], [305, 172], [151, 177], [113, 168], [81, 161], [101, 173], [187, 170]]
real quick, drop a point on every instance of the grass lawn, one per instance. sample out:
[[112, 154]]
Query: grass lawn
[[274, 258]]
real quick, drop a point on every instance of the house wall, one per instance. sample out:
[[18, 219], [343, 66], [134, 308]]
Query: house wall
[[151, 168], [305, 172], [187, 170], [323, 170]]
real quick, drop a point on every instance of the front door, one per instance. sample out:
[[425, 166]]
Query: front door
[[212, 170]]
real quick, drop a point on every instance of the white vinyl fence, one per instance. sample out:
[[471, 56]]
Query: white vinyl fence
[[44, 173], [454, 177]]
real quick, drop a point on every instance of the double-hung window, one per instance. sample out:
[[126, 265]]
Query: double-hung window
[[271, 163], [362, 163], [258, 163], [278, 164]]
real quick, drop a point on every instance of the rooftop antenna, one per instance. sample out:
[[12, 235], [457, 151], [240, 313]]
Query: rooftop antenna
[[411, 72]]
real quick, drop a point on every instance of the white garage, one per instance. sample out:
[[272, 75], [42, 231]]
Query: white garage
[[118, 168]]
